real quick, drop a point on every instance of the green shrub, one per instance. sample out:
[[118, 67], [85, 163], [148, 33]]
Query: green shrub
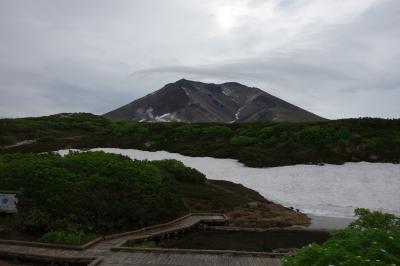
[[373, 239], [247, 131], [217, 132], [177, 170], [188, 131], [143, 130], [67, 238], [265, 132], [120, 128], [243, 140], [91, 191], [8, 140], [367, 219], [156, 137], [317, 135]]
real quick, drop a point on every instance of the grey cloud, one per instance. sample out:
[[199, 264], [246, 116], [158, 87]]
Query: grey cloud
[[95, 56]]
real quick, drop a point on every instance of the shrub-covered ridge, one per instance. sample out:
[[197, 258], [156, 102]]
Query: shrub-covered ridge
[[254, 144], [71, 199]]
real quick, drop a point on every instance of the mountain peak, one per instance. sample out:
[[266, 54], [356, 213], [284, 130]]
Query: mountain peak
[[181, 81], [194, 101]]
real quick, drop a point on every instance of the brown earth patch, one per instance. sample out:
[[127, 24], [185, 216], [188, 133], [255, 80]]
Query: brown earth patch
[[266, 215]]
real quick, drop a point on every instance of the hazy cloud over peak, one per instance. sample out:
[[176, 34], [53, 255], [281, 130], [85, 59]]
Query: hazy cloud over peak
[[335, 58]]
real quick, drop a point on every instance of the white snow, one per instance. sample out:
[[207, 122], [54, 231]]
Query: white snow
[[238, 113], [329, 190], [163, 118], [226, 92], [164, 115], [149, 112], [186, 90]]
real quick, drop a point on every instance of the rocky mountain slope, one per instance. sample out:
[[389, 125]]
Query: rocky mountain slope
[[192, 101]]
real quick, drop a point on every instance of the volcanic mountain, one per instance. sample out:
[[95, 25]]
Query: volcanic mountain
[[193, 101]]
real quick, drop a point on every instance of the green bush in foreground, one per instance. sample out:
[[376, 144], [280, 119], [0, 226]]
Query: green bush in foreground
[[373, 239], [67, 238], [91, 192]]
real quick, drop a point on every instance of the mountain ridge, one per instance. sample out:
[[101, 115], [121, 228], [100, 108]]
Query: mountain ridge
[[194, 101]]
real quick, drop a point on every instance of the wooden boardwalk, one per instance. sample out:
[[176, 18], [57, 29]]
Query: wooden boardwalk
[[141, 258]]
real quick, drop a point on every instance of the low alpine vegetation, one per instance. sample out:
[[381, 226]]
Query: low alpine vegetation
[[373, 239], [74, 198], [254, 144]]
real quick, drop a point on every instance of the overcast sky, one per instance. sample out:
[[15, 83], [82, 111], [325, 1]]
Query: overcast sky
[[336, 58]]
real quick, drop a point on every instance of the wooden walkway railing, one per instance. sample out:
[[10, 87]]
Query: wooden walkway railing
[[107, 250]]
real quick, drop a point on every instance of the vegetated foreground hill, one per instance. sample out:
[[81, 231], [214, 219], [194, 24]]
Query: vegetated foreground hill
[[254, 144], [96, 192], [192, 101]]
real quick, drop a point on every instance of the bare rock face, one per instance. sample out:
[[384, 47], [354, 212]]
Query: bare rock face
[[192, 101]]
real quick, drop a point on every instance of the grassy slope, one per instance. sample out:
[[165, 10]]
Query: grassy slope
[[255, 144], [211, 196]]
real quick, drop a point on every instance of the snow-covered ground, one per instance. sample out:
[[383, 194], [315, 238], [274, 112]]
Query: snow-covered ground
[[329, 190]]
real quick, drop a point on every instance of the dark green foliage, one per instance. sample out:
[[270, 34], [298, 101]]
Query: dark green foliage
[[99, 193], [243, 140], [265, 132], [254, 144], [247, 131], [188, 131], [121, 128], [67, 238], [373, 239], [368, 219], [7, 140], [217, 132], [317, 135], [91, 191], [142, 130], [176, 169]]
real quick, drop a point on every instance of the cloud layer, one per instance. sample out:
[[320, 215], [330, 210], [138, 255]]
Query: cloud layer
[[335, 58]]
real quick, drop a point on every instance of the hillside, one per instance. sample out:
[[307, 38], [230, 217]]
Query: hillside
[[254, 144], [97, 193], [193, 101]]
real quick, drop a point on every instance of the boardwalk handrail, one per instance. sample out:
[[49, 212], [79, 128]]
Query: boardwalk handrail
[[113, 236], [101, 238], [109, 248], [163, 225], [49, 245], [201, 251]]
